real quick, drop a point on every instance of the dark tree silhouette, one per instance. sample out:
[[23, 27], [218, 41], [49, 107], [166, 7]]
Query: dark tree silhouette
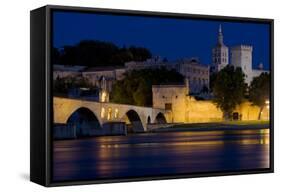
[[213, 77], [136, 87], [259, 91], [98, 53], [61, 86], [229, 89]]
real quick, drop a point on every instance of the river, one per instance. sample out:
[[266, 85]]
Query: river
[[153, 154]]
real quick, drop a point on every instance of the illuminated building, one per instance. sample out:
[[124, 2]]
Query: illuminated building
[[219, 54], [241, 56]]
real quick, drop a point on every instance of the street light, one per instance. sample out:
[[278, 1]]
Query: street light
[[267, 104]]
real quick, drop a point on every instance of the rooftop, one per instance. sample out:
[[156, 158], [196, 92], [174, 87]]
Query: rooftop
[[104, 68], [74, 68], [169, 85]]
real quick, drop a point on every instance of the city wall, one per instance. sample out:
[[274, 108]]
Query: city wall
[[182, 108], [206, 111]]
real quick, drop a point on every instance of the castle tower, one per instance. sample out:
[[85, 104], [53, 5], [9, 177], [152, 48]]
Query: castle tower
[[219, 54], [241, 56]]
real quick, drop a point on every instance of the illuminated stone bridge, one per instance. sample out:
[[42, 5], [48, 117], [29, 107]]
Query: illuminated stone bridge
[[67, 110]]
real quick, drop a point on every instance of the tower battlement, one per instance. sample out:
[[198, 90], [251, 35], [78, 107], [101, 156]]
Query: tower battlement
[[243, 47]]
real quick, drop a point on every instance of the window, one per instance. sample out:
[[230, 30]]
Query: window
[[109, 114], [102, 113], [168, 106], [103, 96], [116, 113]]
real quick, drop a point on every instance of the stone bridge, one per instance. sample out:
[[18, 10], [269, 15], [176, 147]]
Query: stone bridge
[[103, 113]]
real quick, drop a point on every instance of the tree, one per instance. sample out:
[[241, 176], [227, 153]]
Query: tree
[[139, 96], [136, 87], [213, 77], [259, 91], [93, 53], [229, 89], [139, 53], [68, 56], [64, 84]]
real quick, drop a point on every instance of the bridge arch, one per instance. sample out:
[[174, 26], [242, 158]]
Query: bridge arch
[[133, 121], [84, 122], [160, 118], [148, 119]]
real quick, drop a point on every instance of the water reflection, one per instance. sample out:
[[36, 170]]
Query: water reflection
[[160, 153]]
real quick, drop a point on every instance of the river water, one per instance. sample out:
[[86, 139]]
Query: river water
[[154, 154]]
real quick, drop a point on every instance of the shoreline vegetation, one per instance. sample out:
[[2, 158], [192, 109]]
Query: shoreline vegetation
[[215, 126]]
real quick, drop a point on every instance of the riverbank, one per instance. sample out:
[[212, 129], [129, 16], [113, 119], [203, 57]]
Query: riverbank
[[216, 126]]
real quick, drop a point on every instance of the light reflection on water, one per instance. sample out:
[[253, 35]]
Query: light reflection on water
[[160, 153]]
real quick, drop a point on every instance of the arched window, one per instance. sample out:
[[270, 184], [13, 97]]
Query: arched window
[[109, 113], [102, 113], [116, 113]]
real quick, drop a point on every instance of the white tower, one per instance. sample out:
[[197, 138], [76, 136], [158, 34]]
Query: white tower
[[219, 54], [241, 56]]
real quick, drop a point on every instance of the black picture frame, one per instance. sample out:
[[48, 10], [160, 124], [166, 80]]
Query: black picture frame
[[41, 92]]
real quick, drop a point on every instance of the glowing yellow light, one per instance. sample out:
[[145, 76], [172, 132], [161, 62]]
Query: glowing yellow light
[[103, 96], [116, 113], [267, 104], [102, 114], [109, 114]]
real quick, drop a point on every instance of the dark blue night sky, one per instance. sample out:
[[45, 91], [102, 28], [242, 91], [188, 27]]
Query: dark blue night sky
[[171, 38]]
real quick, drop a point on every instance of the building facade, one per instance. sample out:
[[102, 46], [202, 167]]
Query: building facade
[[172, 98], [104, 75], [151, 63], [195, 73], [220, 58], [61, 71], [182, 108], [241, 56]]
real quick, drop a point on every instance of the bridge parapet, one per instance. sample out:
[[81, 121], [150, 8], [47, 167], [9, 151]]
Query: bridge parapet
[[105, 112]]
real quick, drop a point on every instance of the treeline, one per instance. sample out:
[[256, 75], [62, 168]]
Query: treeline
[[62, 85], [98, 53], [230, 90], [136, 87]]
